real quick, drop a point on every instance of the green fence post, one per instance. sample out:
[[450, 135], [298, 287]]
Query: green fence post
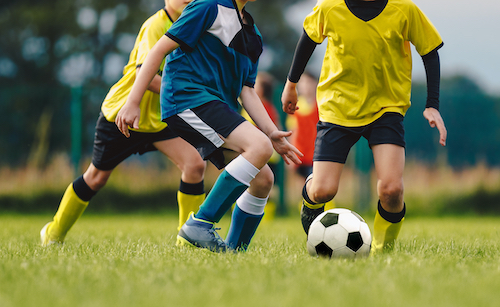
[[76, 127]]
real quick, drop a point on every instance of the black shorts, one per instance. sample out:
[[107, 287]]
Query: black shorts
[[201, 127], [333, 142], [111, 147]]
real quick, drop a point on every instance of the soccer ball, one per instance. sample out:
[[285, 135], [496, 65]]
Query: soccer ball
[[339, 233]]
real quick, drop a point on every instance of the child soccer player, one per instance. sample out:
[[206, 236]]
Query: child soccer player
[[111, 147], [364, 91], [213, 51]]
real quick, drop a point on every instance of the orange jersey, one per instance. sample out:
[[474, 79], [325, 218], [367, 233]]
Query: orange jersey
[[304, 135]]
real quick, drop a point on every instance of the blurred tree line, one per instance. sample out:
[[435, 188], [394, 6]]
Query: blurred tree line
[[48, 48]]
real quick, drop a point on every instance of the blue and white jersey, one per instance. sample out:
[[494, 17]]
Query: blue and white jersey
[[218, 55]]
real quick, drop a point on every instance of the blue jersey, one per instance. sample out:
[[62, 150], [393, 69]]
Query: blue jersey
[[218, 55]]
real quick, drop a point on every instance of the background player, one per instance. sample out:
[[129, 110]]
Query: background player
[[215, 64], [111, 147], [364, 90]]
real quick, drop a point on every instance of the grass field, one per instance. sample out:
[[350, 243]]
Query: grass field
[[132, 260]]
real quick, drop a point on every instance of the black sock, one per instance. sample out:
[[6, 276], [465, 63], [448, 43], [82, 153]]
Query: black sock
[[391, 217], [82, 189]]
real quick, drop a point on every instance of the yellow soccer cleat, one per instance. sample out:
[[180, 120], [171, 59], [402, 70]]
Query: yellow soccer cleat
[[45, 238]]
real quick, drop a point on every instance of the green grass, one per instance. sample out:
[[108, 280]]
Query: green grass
[[132, 260]]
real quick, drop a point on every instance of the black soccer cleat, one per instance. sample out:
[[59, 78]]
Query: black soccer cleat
[[308, 215]]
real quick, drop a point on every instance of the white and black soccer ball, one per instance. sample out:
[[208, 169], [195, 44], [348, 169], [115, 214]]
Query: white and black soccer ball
[[339, 233]]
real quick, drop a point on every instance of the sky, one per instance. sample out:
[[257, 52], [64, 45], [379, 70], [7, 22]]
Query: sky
[[470, 32]]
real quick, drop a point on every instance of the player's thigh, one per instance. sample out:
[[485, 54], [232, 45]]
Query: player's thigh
[[389, 160], [180, 152], [247, 137]]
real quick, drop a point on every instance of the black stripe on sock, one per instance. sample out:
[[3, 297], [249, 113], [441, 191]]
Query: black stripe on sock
[[192, 188], [306, 196], [391, 217], [82, 190]]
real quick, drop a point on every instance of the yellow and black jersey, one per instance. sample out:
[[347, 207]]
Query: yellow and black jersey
[[367, 66], [150, 121]]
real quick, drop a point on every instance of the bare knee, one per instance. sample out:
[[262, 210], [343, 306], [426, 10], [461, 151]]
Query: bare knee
[[322, 194], [193, 171], [260, 151], [391, 193]]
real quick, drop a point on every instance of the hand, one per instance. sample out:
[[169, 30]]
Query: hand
[[128, 117], [284, 148], [436, 121], [289, 98]]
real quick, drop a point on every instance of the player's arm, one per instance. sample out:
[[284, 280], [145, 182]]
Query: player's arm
[[431, 112], [130, 112], [252, 104], [303, 51], [155, 84]]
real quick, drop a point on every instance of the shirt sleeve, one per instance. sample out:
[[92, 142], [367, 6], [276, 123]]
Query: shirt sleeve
[[314, 23], [422, 33], [195, 20], [152, 32]]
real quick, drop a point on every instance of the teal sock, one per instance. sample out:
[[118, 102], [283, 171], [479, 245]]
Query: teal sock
[[222, 196], [242, 229]]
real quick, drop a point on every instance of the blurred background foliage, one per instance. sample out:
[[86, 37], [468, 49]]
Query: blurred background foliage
[[48, 49]]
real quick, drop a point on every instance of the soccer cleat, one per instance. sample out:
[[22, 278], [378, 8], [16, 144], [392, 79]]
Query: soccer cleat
[[200, 233], [307, 215], [45, 238]]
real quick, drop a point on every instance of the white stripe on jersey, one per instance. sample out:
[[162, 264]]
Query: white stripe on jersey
[[226, 25], [197, 124]]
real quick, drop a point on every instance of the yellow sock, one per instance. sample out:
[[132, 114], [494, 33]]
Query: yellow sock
[[312, 206], [329, 205], [385, 233], [188, 203], [70, 209]]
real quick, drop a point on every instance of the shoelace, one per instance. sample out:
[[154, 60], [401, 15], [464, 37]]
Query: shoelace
[[217, 237]]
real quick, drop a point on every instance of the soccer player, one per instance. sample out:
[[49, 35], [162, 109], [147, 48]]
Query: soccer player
[[213, 51], [364, 91], [150, 133]]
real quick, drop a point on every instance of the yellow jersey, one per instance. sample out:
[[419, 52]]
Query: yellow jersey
[[150, 120], [367, 65]]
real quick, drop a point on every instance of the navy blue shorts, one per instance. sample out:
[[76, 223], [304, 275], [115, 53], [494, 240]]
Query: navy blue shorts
[[333, 142], [202, 127], [111, 147]]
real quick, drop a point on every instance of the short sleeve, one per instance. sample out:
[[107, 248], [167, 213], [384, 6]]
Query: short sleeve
[[195, 20], [422, 33], [250, 81], [314, 24], [152, 33]]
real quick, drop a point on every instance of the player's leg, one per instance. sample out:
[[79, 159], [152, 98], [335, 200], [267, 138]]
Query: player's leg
[[203, 128], [255, 150], [332, 146], [73, 203], [249, 210], [191, 193], [319, 190], [110, 149], [389, 162]]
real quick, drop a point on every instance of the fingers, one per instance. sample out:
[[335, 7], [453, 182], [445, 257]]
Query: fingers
[[443, 134], [439, 124], [122, 126], [289, 107]]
